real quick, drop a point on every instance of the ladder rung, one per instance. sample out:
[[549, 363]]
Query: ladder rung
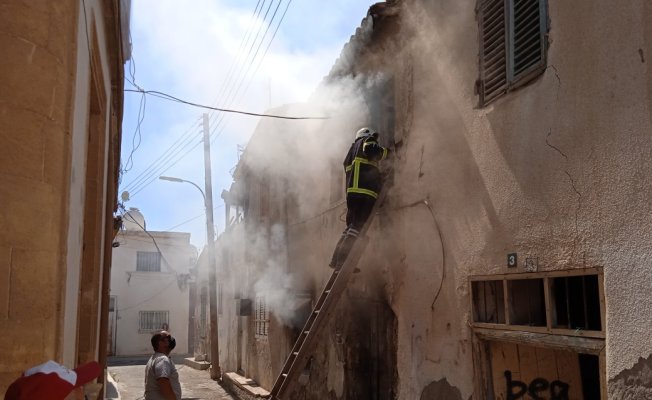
[[306, 342]]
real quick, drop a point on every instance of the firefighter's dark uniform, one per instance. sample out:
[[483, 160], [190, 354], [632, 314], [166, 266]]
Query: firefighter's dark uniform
[[363, 183]]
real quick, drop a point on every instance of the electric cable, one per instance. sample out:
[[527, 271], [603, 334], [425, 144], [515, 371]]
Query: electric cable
[[230, 81], [194, 218], [232, 96], [253, 59], [176, 99], [181, 143], [169, 266], [268, 45], [145, 178]]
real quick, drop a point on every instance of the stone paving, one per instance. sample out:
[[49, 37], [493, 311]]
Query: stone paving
[[195, 384]]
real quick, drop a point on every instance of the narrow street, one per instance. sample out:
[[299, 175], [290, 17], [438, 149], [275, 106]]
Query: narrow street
[[195, 384]]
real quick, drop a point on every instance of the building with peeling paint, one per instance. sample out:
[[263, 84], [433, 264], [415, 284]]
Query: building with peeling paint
[[61, 79], [509, 259]]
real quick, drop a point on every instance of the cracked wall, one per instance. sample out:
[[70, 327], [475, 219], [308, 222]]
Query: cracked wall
[[555, 170]]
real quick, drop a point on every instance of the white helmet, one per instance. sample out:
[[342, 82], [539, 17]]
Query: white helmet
[[366, 132]]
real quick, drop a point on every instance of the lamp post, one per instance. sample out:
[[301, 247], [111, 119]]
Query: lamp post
[[173, 179], [212, 281]]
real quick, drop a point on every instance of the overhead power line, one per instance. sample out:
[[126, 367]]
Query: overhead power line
[[166, 96], [229, 92]]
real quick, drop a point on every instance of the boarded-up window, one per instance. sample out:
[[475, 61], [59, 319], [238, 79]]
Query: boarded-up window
[[512, 44], [261, 319], [526, 372], [149, 321], [148, 261]]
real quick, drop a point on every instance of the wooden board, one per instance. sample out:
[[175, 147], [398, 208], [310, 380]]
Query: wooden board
[[526, 372]]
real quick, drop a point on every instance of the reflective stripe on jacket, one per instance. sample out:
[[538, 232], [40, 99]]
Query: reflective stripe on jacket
[[361, 167]]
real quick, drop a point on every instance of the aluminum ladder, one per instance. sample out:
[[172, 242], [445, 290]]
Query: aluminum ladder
[[308, 338]]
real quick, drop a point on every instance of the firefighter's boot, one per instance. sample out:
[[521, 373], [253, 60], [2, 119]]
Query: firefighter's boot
[[337, 260], [344, 246]]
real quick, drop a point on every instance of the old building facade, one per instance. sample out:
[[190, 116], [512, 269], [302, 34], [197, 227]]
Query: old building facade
[[61, 109], [150, 287], [509, 258]]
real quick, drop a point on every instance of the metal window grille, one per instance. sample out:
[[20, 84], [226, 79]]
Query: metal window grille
[[149, 321], [148, 261], [261, 318], [512, 45]]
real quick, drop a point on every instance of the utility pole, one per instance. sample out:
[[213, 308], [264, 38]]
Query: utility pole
[[216, 372]]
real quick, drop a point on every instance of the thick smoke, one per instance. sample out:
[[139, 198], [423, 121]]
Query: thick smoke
[[284, 158]]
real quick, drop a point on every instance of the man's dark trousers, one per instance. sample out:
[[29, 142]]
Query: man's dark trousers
[[358, 210]]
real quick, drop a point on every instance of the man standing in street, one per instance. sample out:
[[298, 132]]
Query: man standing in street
[[161, 376], [363, 183]]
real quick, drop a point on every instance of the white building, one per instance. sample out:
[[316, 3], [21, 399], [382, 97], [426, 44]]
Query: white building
[[149, 287]]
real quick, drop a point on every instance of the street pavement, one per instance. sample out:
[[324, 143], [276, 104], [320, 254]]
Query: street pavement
[[129, 377]]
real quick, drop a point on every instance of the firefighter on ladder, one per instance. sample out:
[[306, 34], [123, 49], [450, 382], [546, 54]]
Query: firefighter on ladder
[[363, 183]]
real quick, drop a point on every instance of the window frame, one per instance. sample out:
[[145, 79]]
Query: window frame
[[512, 81], [547, 277], [148, 253], [144, 329]]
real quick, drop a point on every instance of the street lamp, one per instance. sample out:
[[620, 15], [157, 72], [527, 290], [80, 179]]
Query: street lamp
[[173, 179], [212, 281]]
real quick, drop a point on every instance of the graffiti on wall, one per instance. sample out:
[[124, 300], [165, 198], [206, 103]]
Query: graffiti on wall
[[537, 389]]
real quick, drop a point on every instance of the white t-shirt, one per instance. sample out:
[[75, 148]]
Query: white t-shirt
[[160, 366]]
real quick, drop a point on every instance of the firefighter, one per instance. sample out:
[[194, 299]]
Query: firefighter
[[363, 183]]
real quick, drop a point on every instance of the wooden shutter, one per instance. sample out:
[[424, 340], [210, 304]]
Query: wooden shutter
[[493, 58], [527, 28]]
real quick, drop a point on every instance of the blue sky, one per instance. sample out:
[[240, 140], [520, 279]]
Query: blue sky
[[201, 51]]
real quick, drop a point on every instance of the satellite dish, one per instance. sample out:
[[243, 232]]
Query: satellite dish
[[124, 196]]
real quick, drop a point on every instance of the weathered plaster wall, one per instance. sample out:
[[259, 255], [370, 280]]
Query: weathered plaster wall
[[554, 170]]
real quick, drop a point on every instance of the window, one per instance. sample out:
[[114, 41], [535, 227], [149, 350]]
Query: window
[[512, 45], [488, 301], [150, 321], [576, 302], [261, 319], [527, 304], [148, 261], [541, 334], [565, 302]]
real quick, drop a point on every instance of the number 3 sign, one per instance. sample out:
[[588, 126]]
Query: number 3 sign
[[512, 261]]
